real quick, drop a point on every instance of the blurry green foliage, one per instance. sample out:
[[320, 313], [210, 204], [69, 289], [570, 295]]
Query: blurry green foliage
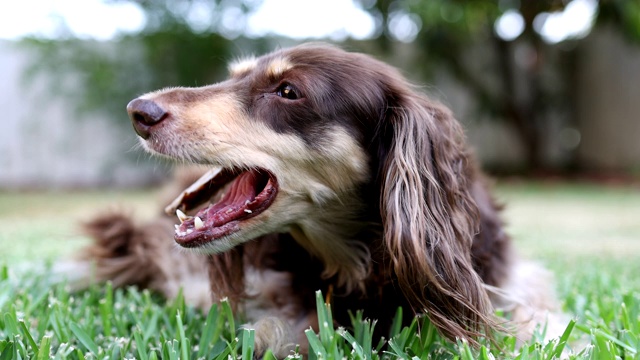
[[523, 91], [624, 14], [105, 76]]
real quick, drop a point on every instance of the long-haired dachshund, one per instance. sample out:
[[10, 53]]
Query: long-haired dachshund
[[327, 171]]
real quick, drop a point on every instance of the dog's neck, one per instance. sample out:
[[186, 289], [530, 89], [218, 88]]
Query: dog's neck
[[334, 236]]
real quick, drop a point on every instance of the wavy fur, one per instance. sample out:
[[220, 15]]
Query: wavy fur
[[430, 218], [377, 191]]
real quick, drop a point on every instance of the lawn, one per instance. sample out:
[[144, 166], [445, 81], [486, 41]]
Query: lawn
[[588, 235]]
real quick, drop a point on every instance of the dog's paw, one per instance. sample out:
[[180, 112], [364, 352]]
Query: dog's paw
[[274, 334]]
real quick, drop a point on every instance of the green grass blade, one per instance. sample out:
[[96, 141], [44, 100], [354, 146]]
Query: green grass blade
[[268, 355], [27, 335], [465, 350], [225, 353], [4, 273], [359, 351], [562, 342], [398, 351], [218, 349], [226, 310], [599, 332], [396, 325], [141, 345], [44, 349], [184, 342], [153, 356], [315, 345], [84, 338], [248, 339], [106, 309], [11, 323], [207, 337], [152, 325], [115, 351], [20, 351], [7, 351], [325, 320], [57, 325]]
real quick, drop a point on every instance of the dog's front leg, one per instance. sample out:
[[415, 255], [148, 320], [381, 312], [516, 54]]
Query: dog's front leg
[[276, 313]]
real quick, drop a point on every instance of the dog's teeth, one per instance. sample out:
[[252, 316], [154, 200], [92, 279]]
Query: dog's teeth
[[189, 231], [247, 202], [248, 211], [198, 223], [229, 210], [177, 227], [181, 216]]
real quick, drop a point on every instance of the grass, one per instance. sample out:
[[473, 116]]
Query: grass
[[42, 226], [588, 235]]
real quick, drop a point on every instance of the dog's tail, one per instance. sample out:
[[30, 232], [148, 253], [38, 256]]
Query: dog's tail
[[143, 255]]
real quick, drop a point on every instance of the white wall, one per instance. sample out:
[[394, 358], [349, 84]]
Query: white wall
[[44, 143]]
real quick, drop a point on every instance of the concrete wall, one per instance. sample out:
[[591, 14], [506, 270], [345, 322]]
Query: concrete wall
[[45, 143], [609, 102]]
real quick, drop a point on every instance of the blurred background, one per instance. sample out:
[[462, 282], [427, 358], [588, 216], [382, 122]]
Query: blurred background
[[545, 89]]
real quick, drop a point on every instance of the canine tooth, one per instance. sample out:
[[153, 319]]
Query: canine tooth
[[198, 223], [177, 227], [248, 211], [247, 202], [181, 216]]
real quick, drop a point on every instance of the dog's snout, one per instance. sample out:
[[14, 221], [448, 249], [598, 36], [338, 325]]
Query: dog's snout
[[144, 114]]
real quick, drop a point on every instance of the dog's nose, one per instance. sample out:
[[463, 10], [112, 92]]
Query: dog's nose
[[144, 114]]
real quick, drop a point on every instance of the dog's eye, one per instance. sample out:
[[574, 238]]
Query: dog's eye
[[287, 91]]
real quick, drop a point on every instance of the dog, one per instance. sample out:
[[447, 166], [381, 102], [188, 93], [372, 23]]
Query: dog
[[325, 170]]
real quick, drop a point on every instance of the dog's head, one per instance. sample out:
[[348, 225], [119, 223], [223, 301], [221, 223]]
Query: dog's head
[[310, 140]]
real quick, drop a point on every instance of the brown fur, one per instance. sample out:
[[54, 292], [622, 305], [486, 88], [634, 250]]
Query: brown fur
[[377, 192], [139, 254]]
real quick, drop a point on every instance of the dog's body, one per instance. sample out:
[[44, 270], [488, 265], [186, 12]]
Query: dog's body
[[339, 177]]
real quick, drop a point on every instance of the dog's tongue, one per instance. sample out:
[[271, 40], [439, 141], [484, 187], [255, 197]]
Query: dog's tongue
[[235, 202], [248, 194]]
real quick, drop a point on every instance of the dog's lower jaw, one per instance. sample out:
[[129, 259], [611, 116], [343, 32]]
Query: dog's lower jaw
[[235, 239], [214, 247]]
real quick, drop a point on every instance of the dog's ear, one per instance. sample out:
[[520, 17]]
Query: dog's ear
[[429, 216]]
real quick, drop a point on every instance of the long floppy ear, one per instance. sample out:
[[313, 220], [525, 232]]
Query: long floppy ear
[[429, 216]]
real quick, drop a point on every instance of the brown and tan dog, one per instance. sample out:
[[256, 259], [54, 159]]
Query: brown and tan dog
[[330, 171]]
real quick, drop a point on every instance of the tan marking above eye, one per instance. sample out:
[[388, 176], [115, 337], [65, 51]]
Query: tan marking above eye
[[242, 65], [278, 66]]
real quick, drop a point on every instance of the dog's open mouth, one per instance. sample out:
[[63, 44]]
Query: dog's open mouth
[[246, 194]]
